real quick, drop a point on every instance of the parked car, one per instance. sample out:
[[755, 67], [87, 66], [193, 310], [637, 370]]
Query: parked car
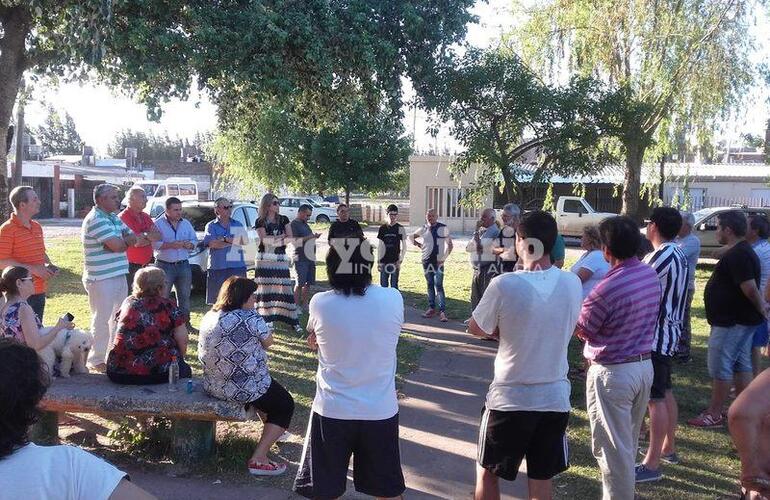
[[573, 213], [321, 201], [706, 226], [159, 190], [199, 213], [290, 205]]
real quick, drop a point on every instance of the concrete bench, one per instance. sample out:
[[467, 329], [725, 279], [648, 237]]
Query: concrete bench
[[195, 415]]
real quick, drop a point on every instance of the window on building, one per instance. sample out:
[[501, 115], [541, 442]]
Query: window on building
[[446, 201]]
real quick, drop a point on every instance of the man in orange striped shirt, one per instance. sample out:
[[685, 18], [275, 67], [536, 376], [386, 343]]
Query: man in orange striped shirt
[[21, 244]]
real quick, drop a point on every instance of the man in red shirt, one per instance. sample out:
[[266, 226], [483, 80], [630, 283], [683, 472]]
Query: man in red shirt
[[142, 225]]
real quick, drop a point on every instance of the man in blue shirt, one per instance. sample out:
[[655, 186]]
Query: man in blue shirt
[[171, 252], [224, 237]]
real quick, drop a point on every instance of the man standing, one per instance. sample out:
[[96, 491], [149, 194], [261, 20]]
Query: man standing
[[670, 265], [171, 252], [225, 238], [355, 410], [505, 246], [532, 312], [617, 323], [690, 246], [304, 255], [756, 236], [482, 259], [392, 249], [21, 244], [105, 241], [344, 227], [141, 224], [436, 246], [734, 309]]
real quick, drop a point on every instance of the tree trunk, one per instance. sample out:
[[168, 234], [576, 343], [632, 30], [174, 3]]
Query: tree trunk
[[16, 22], [347, 195], [509, 184], [632, 180]]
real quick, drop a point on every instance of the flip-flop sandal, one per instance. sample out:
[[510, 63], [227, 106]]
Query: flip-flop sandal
[[269, 469]]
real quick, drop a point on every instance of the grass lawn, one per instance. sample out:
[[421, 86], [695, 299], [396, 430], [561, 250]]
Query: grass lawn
[[709, 466]]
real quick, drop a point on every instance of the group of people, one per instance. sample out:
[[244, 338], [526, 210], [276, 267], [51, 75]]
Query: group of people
[[629, 306]]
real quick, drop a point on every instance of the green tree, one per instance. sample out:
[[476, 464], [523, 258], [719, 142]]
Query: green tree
[[57, 136], [321, 54], [502, 113], [149, 146], [668, 57], [269, 146]]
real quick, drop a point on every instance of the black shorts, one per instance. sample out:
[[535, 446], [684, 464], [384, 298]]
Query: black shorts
[[507, 437], [277, 404], [661, 375], [323, 468]]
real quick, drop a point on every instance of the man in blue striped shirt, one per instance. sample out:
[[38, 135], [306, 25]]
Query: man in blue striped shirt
[[105, 240], [670, 264], [171, 252]]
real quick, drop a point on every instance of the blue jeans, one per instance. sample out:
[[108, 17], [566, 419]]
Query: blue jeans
[[178, 275], [389, 276], [729, 350], [434, 276]]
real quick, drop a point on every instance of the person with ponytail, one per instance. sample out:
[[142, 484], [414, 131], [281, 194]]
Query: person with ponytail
[[17, 319]]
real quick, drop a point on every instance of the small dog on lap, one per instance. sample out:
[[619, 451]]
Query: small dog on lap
[[71, 347]]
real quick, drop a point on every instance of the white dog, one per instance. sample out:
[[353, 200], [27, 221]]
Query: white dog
[[72, 347]]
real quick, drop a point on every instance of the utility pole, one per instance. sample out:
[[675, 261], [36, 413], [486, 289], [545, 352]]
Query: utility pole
[[16, 181]]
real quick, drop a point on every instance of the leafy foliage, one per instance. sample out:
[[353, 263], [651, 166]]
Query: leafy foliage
[[687, 59], [505, 116], [267, 145], [59, 136], [149, 145]]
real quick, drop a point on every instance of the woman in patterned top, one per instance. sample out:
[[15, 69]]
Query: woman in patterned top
[[151, 332], [233, 339], [17, 319], [275, 288]]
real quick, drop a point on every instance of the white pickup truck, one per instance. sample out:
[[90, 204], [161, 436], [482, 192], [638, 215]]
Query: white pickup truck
[[573, 213]]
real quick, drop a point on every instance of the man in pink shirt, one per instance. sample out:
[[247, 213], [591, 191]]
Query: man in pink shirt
[[617, 323]]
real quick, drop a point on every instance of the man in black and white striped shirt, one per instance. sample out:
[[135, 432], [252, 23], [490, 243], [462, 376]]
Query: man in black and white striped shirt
[[670, 264]]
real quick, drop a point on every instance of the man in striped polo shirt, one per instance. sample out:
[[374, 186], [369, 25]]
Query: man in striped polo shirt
[[617, 323], [105, 240], [670, 264], [21, 244]]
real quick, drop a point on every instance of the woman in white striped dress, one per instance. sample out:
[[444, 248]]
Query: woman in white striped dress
[[275, 293]]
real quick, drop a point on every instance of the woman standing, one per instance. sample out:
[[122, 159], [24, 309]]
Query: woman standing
[[232, 349], [275, 294], [591, 266], [17, 319]]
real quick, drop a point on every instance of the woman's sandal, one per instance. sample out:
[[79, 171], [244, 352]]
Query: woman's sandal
[[269, 469]]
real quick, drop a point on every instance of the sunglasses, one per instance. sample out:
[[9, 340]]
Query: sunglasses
[[276, 202], [226, 207]]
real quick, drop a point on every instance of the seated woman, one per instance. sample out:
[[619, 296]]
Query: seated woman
[[17, 319], [31, 471], [233, 339], [150, 333]]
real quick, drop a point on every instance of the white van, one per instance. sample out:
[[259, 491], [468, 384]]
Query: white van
[[159, 190]]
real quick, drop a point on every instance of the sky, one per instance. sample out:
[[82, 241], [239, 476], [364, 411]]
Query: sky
[[100, 112]]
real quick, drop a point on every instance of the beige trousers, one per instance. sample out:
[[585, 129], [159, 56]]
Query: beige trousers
[[104, 299], [616, 398]]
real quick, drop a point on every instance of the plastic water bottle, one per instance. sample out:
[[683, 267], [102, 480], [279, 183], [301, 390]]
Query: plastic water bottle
[[173, 375]]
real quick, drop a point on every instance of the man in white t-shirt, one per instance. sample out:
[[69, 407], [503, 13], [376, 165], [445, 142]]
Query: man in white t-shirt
[[31, 471], [533, 313], [355, 329]]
